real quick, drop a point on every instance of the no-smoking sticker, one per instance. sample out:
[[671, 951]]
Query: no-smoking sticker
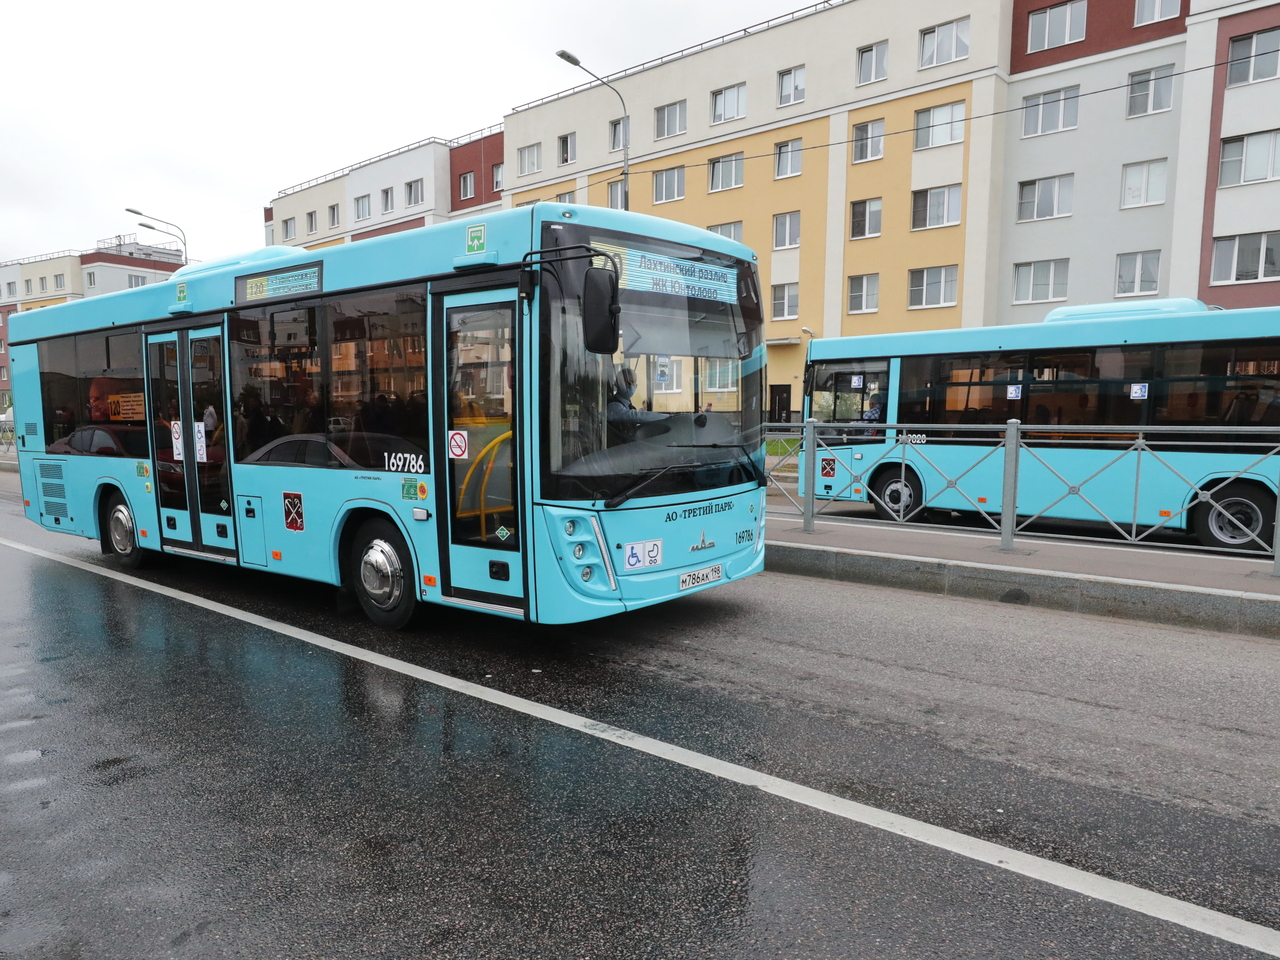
[[176, 430], [457, 444]]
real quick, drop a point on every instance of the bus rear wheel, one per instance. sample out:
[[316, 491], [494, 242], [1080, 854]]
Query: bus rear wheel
[[1247, 511], [898, 495], [381, 574], [120, 535]]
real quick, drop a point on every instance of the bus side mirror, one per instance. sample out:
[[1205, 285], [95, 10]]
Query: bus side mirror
[[600, 310]]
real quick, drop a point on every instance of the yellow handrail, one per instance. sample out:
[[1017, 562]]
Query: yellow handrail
[[484, 485]]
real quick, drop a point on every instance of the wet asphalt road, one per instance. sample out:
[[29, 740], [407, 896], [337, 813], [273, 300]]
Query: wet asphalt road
[[175, 783]]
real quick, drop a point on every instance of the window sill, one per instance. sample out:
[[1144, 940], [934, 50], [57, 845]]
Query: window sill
[[1247, 83], [716, 123], [1247, 183], [866, 236], [935, 146], [872, 80], [657, 203], [943, 63], [774, 319], [1242, 283], [1147, 23], [787, 176], [1130, 296], [1056, 216], [1049, 133], [1148, 113], [529, 173], [736, 186], [860, 313], [936, 226], [1139, 206], [932, 306], [1056, 46], [567, 163], [666, 136], [870, 159], [1024, 303], [791, 104], [792, 246]]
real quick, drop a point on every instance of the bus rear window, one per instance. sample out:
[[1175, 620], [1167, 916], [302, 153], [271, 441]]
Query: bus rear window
[[92, 395]]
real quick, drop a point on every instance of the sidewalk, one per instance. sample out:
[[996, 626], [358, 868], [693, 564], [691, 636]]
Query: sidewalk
[[1163, 585], [9, 460]]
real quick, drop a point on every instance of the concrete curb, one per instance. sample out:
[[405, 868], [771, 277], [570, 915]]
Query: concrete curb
[[1203, 608], [9, 465]]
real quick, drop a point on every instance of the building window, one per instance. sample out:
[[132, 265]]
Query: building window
[[4, 373], [1143, 183], [619, 133], [940, 125], [362, 207], [936, 207], [136, 281], [412, 193], [1255, 57], [334, 215], [668, 185], [27, 286], [1050, 112], [59, 281], [729, 103], [90, 280], [868, 141], [865, 219], [567, 149], [791, 86], [864, 293], [721, 375], [726, 172], [44, 284], [670, 119], [786, 301], [731, 230], [388, 199], [1040, 281], [529, 159], [288, 228], [570, 197], [933, 287], [1248, 257], [675, 378], [787, 158], [12, 286], [618, 195], [786, 230], [1151, 91], [1149, 11], [1055, 26], [312, 222], [873, 62], [466, 185], [1, 346], [944, 43], [1138, 273], [1046, 198], [1250, 159]]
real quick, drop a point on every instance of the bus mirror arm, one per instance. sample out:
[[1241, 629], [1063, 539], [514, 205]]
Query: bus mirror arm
[[528, 282], [600, 310]]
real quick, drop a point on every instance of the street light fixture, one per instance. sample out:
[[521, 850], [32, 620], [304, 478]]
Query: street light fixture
[[181, 235], [569, 58], [808, 331]]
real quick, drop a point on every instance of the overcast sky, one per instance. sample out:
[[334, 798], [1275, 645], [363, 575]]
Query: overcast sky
[[201, 113]]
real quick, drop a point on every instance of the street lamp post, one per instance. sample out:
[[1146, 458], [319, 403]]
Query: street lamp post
[[568, 57], [181, 235]]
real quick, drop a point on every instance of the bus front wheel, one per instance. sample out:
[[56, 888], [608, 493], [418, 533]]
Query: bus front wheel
[[1242, 513], [120, 535], [382, 574], [898, 495]]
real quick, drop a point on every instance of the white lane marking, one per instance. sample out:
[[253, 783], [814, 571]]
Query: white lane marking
[[25, 756], [19, 785], [1159, 906], [14, 724]]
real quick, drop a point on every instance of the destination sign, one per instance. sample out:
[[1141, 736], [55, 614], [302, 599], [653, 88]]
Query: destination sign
[[655, 273], [280, 283]]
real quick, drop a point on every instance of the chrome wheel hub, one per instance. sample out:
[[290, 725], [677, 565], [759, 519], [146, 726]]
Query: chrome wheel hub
[[898, 496], [381, 575], [120, 529], [1247, 521]]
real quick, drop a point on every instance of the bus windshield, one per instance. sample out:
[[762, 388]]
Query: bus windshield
[[678, 407]]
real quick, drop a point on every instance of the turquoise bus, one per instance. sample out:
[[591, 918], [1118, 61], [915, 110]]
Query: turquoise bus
[[1162, 364], [550, 413]]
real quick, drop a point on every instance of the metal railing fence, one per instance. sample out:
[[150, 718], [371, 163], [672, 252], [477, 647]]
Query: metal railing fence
[[7, 436], [906, 470]]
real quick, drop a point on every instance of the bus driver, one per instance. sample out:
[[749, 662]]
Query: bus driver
[[622, 413]]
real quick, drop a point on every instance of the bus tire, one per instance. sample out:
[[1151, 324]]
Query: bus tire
[[1252, 506], [382, 574], [120, 533], [897, 494]]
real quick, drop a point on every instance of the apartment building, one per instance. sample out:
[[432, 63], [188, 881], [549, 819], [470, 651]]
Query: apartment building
[[418, 184], [946, 163]]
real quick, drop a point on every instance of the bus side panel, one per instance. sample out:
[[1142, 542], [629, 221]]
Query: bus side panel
[[1105, 478], [28, 420]]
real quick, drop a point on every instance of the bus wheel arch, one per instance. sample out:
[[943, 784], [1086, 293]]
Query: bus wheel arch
[[377, 565], [896, 490], [118, 528], [1251, 503]]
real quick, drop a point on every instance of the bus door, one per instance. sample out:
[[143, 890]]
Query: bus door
[[479, 431], [187, 383]]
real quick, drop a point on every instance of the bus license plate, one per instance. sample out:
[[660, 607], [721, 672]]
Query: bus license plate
[[697, 578]]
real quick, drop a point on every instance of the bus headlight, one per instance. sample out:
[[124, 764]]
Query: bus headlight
[[578, 550], [569, 528], [586, 574]]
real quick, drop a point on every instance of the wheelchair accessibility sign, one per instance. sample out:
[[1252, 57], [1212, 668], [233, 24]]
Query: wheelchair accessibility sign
[[641, 554]]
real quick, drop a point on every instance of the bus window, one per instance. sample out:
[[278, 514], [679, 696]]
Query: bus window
[[850, 391], [92, 394]]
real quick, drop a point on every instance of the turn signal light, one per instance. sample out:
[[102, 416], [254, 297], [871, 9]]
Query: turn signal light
[[275, 555], [143, 532], [1166, 513], [26, 503], [982, 499], [428, 581]]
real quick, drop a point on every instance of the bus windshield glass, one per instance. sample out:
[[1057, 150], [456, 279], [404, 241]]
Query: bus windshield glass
[[678, 407]]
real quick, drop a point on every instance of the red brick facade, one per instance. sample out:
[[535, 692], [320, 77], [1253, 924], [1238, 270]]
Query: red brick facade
[[1109, 26], [478, 158]]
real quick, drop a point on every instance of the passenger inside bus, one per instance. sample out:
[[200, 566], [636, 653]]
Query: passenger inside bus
[[622, 414]]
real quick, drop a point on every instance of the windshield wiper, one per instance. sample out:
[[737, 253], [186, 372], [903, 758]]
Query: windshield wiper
[[619, 499], [746, 454]]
